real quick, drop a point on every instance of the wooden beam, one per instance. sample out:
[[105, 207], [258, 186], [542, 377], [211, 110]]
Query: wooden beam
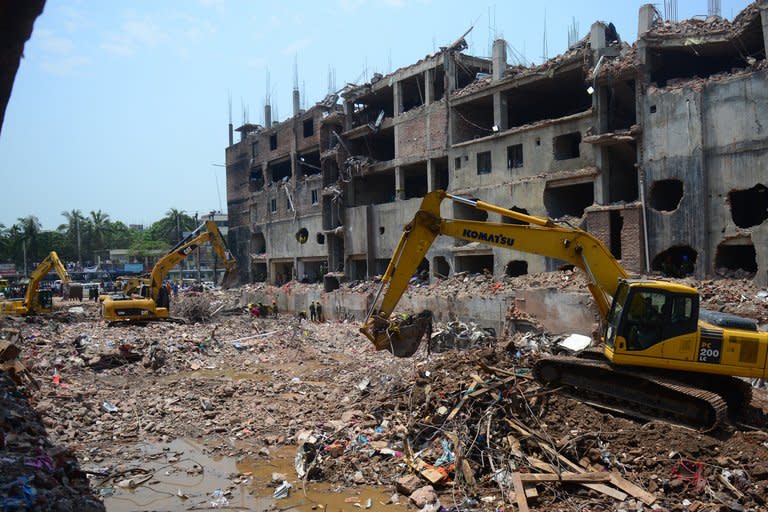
[[517, 484], [566, 477]]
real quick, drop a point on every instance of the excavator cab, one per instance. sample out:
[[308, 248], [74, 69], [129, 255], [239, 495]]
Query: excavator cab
[[44, 301]]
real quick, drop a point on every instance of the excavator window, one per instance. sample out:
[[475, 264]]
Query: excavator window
[[654, 316]]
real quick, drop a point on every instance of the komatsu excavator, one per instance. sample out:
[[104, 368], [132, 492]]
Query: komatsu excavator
[[36, 301], [153, 301], [662, 356]]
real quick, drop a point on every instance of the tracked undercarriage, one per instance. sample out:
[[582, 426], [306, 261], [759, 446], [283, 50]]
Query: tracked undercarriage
[[698, 401]]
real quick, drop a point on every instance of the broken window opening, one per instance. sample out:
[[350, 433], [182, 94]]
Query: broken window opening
[[484, 162], [666, 195], [330, 172], [561, 95], [336, 253], [258, 272], [315, 196], [616, 225], [621, 162], [381, 230], [308, 127], [273, 205], [273, 142], [283, 272], [566, 146], [510, 220], [254, 148], [466, 72], [320, 239], [705, 60], [368, 107], [440, 168], [376, 188], [380, 146], [309, 164], [441, 267], [679, 261], [457, 163], [302, 235], [415, 180], [312, 271], [438, 83], [620, 99], [258, 244], [412, 92], [256, 180], [568, 199], [516, 268], [749, 207], [358, 270], [473, 120], [476, 264], [465, 212], [280, 171], [514, 156], [733, 260]]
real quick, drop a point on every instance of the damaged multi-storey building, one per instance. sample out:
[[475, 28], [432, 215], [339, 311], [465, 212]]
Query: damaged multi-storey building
[[659, 148]]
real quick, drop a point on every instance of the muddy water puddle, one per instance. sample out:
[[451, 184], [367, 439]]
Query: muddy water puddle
[[181, 475]]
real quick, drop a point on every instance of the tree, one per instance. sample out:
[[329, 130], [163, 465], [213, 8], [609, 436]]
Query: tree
[[30, 231], [171, 227], [74, 227], [100, 227]]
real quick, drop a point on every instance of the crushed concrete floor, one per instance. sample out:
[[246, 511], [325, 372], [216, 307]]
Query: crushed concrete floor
[[222, 414]]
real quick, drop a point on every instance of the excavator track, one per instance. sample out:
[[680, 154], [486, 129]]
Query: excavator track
[[636, 392]]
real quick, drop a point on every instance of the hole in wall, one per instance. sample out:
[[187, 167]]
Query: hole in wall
[[679, 261], [510, 220], [320, 238], [749, 207], [516, 268], [569, 199], [734, 259], [302, 235], [666, 195], [381, 230], [441, 266]]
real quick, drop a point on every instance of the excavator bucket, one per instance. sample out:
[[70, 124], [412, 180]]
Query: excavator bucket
[[400, 336], [230, 278]]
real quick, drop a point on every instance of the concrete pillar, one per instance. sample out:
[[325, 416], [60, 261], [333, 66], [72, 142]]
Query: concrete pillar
[[499, 59], [397, 94], [268, 116], [764, 17], [645, 19], [296, 102], [231, 135], [429, 86], [500, 112], [449, 64], [399, 183], [597, 36], [349, 109], [430, 176]]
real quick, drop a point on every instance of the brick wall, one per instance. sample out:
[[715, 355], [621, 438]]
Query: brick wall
[[632, 252], [413, 138]]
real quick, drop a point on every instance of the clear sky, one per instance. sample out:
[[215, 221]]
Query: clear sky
[[123, 105]]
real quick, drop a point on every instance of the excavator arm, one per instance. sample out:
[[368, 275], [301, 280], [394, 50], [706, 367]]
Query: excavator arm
[[206, 232], [537, 236], [51, 261]]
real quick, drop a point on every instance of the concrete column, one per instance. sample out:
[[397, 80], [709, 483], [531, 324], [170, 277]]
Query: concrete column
[[349, 109], [296, 102], [429, 86], [764, 18], [268, 116], [399, 183], [500, 112], [397, 94], [597, 36], [645, 19], [499, 59], [231, 135], [430, 176], [449, 64]]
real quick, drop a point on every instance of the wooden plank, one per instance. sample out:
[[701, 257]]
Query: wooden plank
[[517, 484], [566, 477], [530, 491], [491, 387], [601, 488], [629, 487]]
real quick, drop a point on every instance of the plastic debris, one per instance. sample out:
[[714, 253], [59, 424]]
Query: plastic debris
[[283, 491]]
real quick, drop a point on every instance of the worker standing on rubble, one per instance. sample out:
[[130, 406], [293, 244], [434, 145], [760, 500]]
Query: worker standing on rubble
[[274, 308], [312, 312], [319, 312]]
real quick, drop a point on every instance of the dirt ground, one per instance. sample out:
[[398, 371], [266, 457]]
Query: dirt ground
[[465, 423]]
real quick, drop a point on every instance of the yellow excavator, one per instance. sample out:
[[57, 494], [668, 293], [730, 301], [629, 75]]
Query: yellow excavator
[[36, 301], [662, 356], [153, 301]]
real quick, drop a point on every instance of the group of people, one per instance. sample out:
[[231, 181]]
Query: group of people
[[259, 310], [316, 312]]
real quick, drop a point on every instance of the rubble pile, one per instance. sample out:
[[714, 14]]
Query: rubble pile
[[469, 422], [710, 25]]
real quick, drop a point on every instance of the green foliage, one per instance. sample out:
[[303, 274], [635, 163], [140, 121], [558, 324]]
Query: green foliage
[[86, 237]]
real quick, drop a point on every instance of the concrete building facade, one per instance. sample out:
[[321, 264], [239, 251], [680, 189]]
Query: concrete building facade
[[659, 148]]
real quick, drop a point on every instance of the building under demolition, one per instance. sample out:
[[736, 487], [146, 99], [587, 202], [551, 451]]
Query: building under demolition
[[659, 148]]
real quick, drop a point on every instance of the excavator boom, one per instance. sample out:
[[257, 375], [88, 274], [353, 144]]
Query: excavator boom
[[536, 236]]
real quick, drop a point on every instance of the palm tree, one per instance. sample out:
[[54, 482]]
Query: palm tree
[[30, 228], [100, 227], [75, 220]]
